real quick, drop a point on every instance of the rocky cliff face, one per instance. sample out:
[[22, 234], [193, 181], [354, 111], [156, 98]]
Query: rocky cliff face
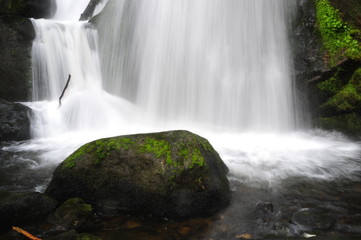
[[16, 38], [327, 40]]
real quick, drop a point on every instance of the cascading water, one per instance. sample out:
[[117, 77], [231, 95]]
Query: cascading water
[[224, 63], [220, 68]]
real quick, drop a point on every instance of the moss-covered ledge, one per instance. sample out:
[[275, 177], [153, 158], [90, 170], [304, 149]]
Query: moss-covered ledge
[[335, 92]]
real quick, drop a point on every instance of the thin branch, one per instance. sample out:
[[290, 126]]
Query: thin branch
[[25, 233], [66, 86]]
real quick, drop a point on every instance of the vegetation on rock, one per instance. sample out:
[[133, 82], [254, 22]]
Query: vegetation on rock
[[338, 36], [172, 174]]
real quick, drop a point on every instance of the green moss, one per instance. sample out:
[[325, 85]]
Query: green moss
[[86, 236], [160, 149], [100, 148], [176, 155], [331, 85], [195, 156], [78, 205], [70, 161], [348, 123], [336, 34], [356, 80], [348, 99]]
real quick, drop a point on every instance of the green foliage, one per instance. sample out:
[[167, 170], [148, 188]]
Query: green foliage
[[331, 85], [356, 80], [348, 99], [337, 35]]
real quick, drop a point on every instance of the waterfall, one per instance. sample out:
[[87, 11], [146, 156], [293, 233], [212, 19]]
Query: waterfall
[[223, 63], [220, 68]]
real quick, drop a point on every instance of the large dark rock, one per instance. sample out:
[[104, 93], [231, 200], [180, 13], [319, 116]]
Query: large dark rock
[[171, 174], [16, 38], [18, 208], [14, 121], [28, 8]]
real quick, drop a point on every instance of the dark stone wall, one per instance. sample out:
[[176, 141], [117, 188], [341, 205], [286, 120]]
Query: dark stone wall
[[28, 8], [17, 34], [16, 38]]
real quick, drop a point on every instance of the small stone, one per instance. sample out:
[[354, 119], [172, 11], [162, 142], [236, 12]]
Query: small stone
[[132, 224], [184, 230], [264, 211], [244, 236]]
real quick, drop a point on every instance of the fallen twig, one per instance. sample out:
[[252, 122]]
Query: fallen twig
[[25, 233], [66, 86]]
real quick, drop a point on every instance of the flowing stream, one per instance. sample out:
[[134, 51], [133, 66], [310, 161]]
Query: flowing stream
[[219, 68]]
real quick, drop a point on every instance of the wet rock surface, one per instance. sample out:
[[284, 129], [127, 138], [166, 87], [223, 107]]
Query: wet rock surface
[[17, 34], [28, 8], [295, 209], [19, 208], [171, 174], [72, 214], [14, 121], [312, 219]]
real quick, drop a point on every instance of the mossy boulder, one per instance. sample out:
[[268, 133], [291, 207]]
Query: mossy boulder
[[24, 207], [171, 174], [28, 8]]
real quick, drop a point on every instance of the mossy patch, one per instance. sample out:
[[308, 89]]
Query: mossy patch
[[347, 123], [337, 35], [332, 85], [159, 148], [346, 98], [86, 236], [99, 148]]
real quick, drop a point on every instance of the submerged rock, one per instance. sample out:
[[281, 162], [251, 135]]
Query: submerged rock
[[264, 211], [312, 219], [14, 121], [171, 174], [73, 213], [18, 208], [73, 235]]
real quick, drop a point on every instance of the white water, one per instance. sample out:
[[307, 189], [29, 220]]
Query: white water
[[225, 63], [220, 68]]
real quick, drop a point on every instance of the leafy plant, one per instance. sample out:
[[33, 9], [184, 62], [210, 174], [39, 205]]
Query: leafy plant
[[337, 35]]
